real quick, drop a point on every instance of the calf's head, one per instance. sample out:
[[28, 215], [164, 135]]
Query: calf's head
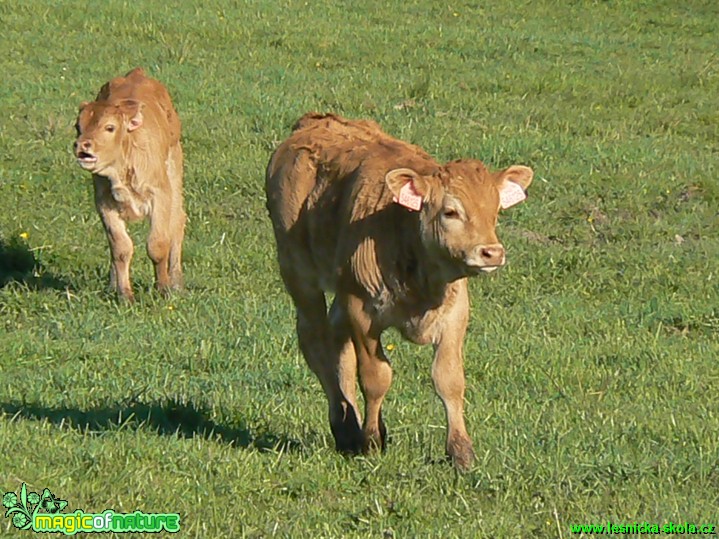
[[459, 206], [102, 133]]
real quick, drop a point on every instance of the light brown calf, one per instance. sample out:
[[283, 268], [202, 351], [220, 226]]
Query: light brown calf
[[129, 138], [395, 235]]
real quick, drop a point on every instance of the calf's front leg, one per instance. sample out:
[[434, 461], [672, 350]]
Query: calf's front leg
[[121, 248], [121, 251], [448, 378]]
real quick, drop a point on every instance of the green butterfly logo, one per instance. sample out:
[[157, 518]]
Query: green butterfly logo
[[51, 504], [28, 504]]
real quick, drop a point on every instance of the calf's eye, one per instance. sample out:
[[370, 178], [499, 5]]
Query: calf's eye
[[110, 128], [449, 213]]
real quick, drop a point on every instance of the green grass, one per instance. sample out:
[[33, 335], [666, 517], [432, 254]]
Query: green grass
[[591, 359]]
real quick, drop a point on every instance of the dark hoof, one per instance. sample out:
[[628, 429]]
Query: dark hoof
[[348, 440], [347, 433]]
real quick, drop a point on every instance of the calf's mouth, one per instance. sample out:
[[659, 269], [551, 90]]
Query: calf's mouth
[[86, 159], [478, 270]]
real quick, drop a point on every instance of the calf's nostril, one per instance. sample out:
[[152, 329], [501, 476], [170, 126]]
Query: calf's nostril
[[492, 254]]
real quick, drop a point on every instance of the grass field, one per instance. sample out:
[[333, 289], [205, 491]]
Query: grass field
[[591, 358]]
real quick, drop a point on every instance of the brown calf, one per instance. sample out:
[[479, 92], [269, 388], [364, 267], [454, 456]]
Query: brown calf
[[129, 138], [394, 235]]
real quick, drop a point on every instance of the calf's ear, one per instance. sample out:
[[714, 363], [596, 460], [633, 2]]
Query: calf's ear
[[512, 183], [82, 106], [408, 187], [132, 111], [135, 121]]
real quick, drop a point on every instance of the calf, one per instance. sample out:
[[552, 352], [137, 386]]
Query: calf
[[394, 235], [129, 138]]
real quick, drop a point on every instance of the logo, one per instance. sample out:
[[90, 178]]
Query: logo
[[43, 513]]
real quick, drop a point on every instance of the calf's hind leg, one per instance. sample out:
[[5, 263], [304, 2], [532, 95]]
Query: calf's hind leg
[[322, 354], [175, 255], [158, 242], [342, 345], [177, 216], [375, 373]]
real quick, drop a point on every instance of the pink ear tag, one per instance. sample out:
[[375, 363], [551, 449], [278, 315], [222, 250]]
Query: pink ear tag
[[409, 198], [510, 194]]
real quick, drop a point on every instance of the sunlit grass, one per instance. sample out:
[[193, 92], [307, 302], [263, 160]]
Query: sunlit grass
[[590, 359]]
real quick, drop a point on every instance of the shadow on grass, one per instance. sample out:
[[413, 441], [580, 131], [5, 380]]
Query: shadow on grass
[[18, 264], [169, 418]]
